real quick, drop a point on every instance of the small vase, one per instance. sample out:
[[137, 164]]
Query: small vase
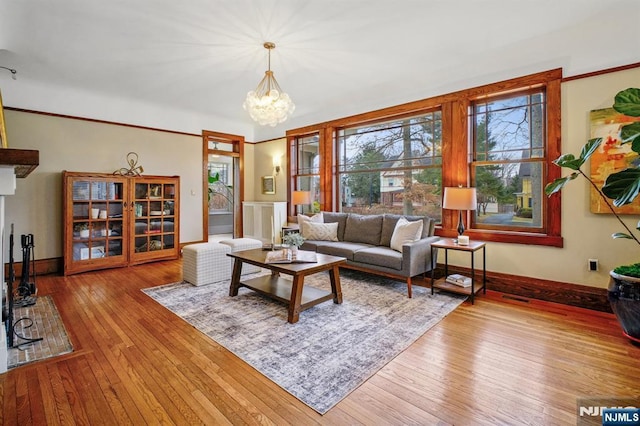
[[624, 297]]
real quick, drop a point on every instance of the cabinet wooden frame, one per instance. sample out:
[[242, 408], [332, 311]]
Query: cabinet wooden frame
[[114, 221]]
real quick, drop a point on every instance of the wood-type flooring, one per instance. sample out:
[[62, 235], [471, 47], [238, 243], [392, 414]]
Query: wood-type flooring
[[500, 361]]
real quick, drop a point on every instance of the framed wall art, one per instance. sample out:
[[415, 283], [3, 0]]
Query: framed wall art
[[268, 184], [611, 156]]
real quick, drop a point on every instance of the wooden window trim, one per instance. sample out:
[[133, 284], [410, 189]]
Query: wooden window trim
[[455, 149]]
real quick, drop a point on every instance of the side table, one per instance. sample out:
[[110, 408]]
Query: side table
[[450, 244]]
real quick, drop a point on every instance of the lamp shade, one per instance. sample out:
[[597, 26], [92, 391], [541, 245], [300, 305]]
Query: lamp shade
[[458, 198], [301, 198]]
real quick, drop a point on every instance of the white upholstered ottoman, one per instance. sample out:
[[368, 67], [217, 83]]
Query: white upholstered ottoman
[[238, 244], [206, 263]]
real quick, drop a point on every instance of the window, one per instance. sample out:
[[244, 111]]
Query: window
[[500, 138], [508, 161], [391, 167], [306, 173]]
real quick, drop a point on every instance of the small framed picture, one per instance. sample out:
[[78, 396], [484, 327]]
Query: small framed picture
[[268, 185]]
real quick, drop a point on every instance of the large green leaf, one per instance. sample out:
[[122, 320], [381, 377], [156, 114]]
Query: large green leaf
[[630, 133], [623, 186], [621, 235], [558, 184], [627, 102], [571, 162]]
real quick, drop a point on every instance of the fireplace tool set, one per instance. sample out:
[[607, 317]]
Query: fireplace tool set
[[24, 294]]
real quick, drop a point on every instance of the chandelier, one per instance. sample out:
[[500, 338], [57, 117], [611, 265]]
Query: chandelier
[[268, 104]]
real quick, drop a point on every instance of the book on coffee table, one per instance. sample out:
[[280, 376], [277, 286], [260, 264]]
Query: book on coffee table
[[288, 256]]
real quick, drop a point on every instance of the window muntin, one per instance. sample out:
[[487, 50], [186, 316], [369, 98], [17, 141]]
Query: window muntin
[[391, 167], [508, 165]]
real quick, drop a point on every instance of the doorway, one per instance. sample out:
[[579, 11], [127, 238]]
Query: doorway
[[222, 184]]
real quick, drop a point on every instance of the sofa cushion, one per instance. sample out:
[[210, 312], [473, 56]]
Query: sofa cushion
[[389, 225], [303, 220], [379, 256], [340, 218], [343, 249], [405, 232], [363, 229], [321, 231]]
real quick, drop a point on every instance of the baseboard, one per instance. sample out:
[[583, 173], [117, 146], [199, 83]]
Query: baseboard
[[534, 288], [551, 291], [42, 267]]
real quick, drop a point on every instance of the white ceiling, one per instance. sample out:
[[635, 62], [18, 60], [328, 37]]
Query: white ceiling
[[187, 65]]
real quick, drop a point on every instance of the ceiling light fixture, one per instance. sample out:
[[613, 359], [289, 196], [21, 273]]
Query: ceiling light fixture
[[268, 104]]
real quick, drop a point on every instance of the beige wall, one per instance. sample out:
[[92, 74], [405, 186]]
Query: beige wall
[[586, 235], [263, 166], [85, 146]]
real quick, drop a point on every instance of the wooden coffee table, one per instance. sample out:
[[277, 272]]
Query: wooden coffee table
[[295, 295]]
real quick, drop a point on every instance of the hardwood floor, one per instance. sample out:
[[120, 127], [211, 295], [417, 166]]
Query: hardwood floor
[[500, 361]]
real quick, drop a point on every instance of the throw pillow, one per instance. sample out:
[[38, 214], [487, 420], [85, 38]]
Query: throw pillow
[[405, 232], [321, 231], [303, 220], [363, 229]]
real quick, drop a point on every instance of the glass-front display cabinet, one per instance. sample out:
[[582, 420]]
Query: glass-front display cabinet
[[114, 221]]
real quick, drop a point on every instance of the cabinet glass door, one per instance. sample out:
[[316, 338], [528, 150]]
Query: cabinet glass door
[[97, 218], [154, 211]]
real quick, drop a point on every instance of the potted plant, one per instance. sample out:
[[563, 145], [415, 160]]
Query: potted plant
[[82, 229], [623, 188], [294, 239]]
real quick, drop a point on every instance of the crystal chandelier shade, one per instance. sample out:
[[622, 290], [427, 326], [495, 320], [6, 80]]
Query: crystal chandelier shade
[[268, 104]]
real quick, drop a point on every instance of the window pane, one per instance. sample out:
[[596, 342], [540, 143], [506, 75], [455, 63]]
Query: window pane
[[510, 195], [392, 167], [510, 129], [311, 184], [308, 155]]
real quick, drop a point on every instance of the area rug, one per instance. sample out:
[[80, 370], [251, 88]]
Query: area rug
[[39, 320], [332, 349]]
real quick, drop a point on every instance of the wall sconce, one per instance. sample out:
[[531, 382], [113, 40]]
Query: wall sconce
[[276, 164]]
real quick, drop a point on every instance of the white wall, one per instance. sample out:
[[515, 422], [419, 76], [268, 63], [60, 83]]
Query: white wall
[[85, 146]]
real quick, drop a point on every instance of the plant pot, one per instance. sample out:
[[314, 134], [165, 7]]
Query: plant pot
[[624, 297]]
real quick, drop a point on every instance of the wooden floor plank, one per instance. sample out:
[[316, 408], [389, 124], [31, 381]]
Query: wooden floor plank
[[499, 361]]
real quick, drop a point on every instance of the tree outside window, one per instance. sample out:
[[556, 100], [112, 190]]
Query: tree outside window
[[392, 167]]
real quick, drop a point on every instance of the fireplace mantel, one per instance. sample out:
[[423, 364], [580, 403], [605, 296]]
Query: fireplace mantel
[[24, 161]]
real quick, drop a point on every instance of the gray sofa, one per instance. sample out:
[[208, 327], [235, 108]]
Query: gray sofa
[[364, 240]]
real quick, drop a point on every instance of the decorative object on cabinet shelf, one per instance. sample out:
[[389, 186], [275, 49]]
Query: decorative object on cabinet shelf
[[82, 229], [459, 198], [134, 169]]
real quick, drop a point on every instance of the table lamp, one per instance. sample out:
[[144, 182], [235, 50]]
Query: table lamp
[[300, 198], [459, 198]]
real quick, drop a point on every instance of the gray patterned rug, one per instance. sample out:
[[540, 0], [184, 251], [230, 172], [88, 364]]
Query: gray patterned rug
[[332, 350]]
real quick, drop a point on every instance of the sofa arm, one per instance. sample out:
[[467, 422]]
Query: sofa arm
[[416, 256]]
